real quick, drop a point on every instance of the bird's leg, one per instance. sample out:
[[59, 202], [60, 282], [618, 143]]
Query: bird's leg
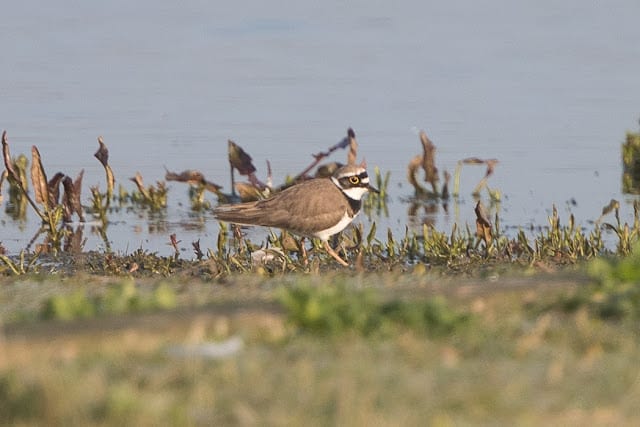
[[333, 253], [303, 252]]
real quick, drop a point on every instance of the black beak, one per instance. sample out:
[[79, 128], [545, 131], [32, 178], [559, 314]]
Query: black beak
[[373, 189]]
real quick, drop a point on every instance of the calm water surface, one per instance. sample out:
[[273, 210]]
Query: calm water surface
[[548, 88]]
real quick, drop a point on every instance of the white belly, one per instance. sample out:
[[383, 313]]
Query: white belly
[[325, 234]]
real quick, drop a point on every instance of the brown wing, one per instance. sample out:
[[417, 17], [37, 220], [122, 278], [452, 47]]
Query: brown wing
[[303, 209]]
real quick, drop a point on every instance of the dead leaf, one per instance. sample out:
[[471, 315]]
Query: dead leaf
[[429, 161], [54, 189], [239, 159], [67, 206], [103, 152], [445, 187], [613, 204], [2, 178], [194, 178], [247, 192], [74, 240], [491, 165], [8, 164], [140, 184], [412, 171], [472, 161], [71, 199], [191, 177], [103, 157], [39, 179], [77, 187], [483, 224]]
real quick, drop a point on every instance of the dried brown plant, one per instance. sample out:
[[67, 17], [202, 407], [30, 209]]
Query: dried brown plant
[[193, 178], [103, 157], [71, 199], [427, 162], [318, 157], [483, 224]]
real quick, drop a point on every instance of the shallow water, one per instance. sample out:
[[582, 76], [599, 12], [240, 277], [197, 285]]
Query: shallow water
[[548, 89]]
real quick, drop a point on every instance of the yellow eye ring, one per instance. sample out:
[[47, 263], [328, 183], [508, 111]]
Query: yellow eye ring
[[354, 180]]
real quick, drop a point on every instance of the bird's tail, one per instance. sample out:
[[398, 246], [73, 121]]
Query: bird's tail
[[243, 213]]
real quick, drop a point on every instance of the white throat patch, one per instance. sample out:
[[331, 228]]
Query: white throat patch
[[354, 193]]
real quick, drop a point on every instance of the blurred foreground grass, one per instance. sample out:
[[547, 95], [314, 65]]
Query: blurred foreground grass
[[375, 349]]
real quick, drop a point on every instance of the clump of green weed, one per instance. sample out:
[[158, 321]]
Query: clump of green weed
[[335, 309], [19, 400], [567, 243], [378, 201], [122, 297], [438, 246], [433, 316], [329, 309], [153, 197], [615, 293], [20, 265], [631, 163], [611, 272], [67, 307]]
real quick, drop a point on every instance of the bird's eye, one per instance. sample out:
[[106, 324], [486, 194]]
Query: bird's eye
[[354, 180]]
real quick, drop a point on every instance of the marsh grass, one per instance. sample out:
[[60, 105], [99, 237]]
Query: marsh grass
[[365, 249], [337, 308], [119, 297], [613, 293]]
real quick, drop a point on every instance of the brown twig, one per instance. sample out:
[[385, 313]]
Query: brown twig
[[192, 177], [344, 143], [196, 249], [174, 242]]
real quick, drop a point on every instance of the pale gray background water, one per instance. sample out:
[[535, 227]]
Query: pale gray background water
[[549, 88]]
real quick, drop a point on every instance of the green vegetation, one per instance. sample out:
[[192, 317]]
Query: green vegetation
[[377, 202], [21, 265], [334, 309], [615, 293], [367, 250], [119, 298], [557, 244], [631, 163]]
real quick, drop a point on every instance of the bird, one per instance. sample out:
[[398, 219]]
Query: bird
[[316, 208]]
